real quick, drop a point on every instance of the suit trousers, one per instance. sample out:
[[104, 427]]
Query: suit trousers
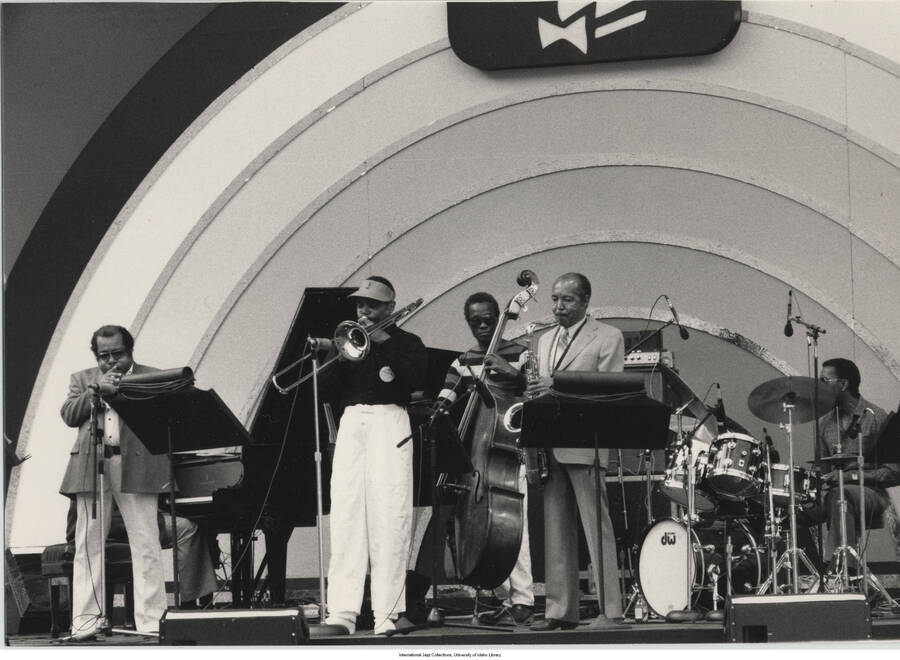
[[371, 512], [196, 575], [139, 513], [570, 494]]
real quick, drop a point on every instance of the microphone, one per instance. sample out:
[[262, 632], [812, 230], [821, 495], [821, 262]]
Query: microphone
[[854, 428], [788, 328], [681, 329], [319, 343]]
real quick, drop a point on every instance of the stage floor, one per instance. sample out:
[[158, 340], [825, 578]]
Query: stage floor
[[884, 629]]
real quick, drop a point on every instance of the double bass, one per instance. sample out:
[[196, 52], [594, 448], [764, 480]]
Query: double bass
[[488, 515]]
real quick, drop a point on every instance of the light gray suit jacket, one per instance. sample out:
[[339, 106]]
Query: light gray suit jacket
[[142, 472], [598, 347]]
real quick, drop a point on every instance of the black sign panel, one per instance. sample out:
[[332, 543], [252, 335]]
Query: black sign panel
[[507, 35]]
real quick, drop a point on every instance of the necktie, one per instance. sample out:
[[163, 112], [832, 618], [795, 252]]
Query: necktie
[[564, 339]]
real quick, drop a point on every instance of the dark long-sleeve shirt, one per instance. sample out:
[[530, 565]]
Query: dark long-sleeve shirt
[[389, 374]]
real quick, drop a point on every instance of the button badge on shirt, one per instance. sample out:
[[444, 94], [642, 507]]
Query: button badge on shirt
[[386, 374]]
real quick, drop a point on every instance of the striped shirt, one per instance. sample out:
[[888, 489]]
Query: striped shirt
[[468, 366]]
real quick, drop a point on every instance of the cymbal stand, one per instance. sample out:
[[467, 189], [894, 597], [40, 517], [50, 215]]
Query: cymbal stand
[[691, 504], [772, 528], [792, 556], [628, 560], [635, 588], [844, 552]]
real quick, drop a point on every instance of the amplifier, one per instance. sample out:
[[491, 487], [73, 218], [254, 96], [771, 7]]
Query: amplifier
[[798, 618], [644, 359], [285, 627]]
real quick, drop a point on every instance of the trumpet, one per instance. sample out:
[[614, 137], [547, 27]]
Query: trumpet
[[351, 339]]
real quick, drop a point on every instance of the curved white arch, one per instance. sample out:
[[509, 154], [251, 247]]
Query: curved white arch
[[122, 277]]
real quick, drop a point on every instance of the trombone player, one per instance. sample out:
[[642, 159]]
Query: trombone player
[[372, 479]]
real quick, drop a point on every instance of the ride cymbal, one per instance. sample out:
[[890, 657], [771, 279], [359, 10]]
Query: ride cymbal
[[767, 401]]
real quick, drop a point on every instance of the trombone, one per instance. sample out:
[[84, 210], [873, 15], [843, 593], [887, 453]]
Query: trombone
[[351, 339]]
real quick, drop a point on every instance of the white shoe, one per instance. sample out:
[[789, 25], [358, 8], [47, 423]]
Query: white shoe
[[385, 627], [338, 620]]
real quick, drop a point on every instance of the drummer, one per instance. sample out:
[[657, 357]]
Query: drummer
[[854, 421]]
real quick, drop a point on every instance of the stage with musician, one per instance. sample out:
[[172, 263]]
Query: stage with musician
[[424, 323], [565, 479]]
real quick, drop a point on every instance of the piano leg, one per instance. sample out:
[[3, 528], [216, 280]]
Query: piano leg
[[241, 568], [277, 537]]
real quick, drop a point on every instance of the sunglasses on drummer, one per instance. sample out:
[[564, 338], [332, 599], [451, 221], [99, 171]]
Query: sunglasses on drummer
[[829, 381]]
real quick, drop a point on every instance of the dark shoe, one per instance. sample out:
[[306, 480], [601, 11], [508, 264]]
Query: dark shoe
[[517, 615], [553, 624]]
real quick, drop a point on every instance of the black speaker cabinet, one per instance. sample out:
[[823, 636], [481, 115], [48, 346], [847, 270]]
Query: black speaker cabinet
[[284, 627], [798, 618]]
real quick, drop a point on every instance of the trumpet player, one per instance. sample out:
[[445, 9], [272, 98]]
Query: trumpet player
[[372, 479]]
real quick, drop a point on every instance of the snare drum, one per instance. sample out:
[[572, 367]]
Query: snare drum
[[663, 567], [805, 483], [674, 486], [733, 464]]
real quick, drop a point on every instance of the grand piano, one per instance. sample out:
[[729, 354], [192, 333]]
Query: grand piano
[[269, 485]]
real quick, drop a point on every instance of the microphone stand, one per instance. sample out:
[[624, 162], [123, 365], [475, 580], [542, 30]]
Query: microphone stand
[[99, 495], [323, 601], [812, 344], [646, 339]]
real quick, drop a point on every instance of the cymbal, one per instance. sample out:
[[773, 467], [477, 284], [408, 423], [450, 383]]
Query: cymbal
[[767, 401], [836, 459]]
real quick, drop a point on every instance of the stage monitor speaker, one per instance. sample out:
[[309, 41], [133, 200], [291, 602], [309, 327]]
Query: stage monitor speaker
[[284, 627], [798, 618]]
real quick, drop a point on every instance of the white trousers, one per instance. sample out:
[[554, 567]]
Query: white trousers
[[518, 588], [371, 511], [139, 513]]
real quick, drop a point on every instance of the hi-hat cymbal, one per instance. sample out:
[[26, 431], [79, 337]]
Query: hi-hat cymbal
[[836, 459], [767, 401]]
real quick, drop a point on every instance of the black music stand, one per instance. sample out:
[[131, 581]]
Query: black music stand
[[186, 420], [887, 444], [629, 419]]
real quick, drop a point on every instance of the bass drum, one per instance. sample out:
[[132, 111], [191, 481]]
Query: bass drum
[[664, 571]]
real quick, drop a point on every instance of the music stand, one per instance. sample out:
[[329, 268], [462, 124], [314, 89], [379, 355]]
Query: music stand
[[629, 420], [186, 420], [887, 444]]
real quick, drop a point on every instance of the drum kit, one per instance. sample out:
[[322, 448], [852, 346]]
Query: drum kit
[[726, 483]]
